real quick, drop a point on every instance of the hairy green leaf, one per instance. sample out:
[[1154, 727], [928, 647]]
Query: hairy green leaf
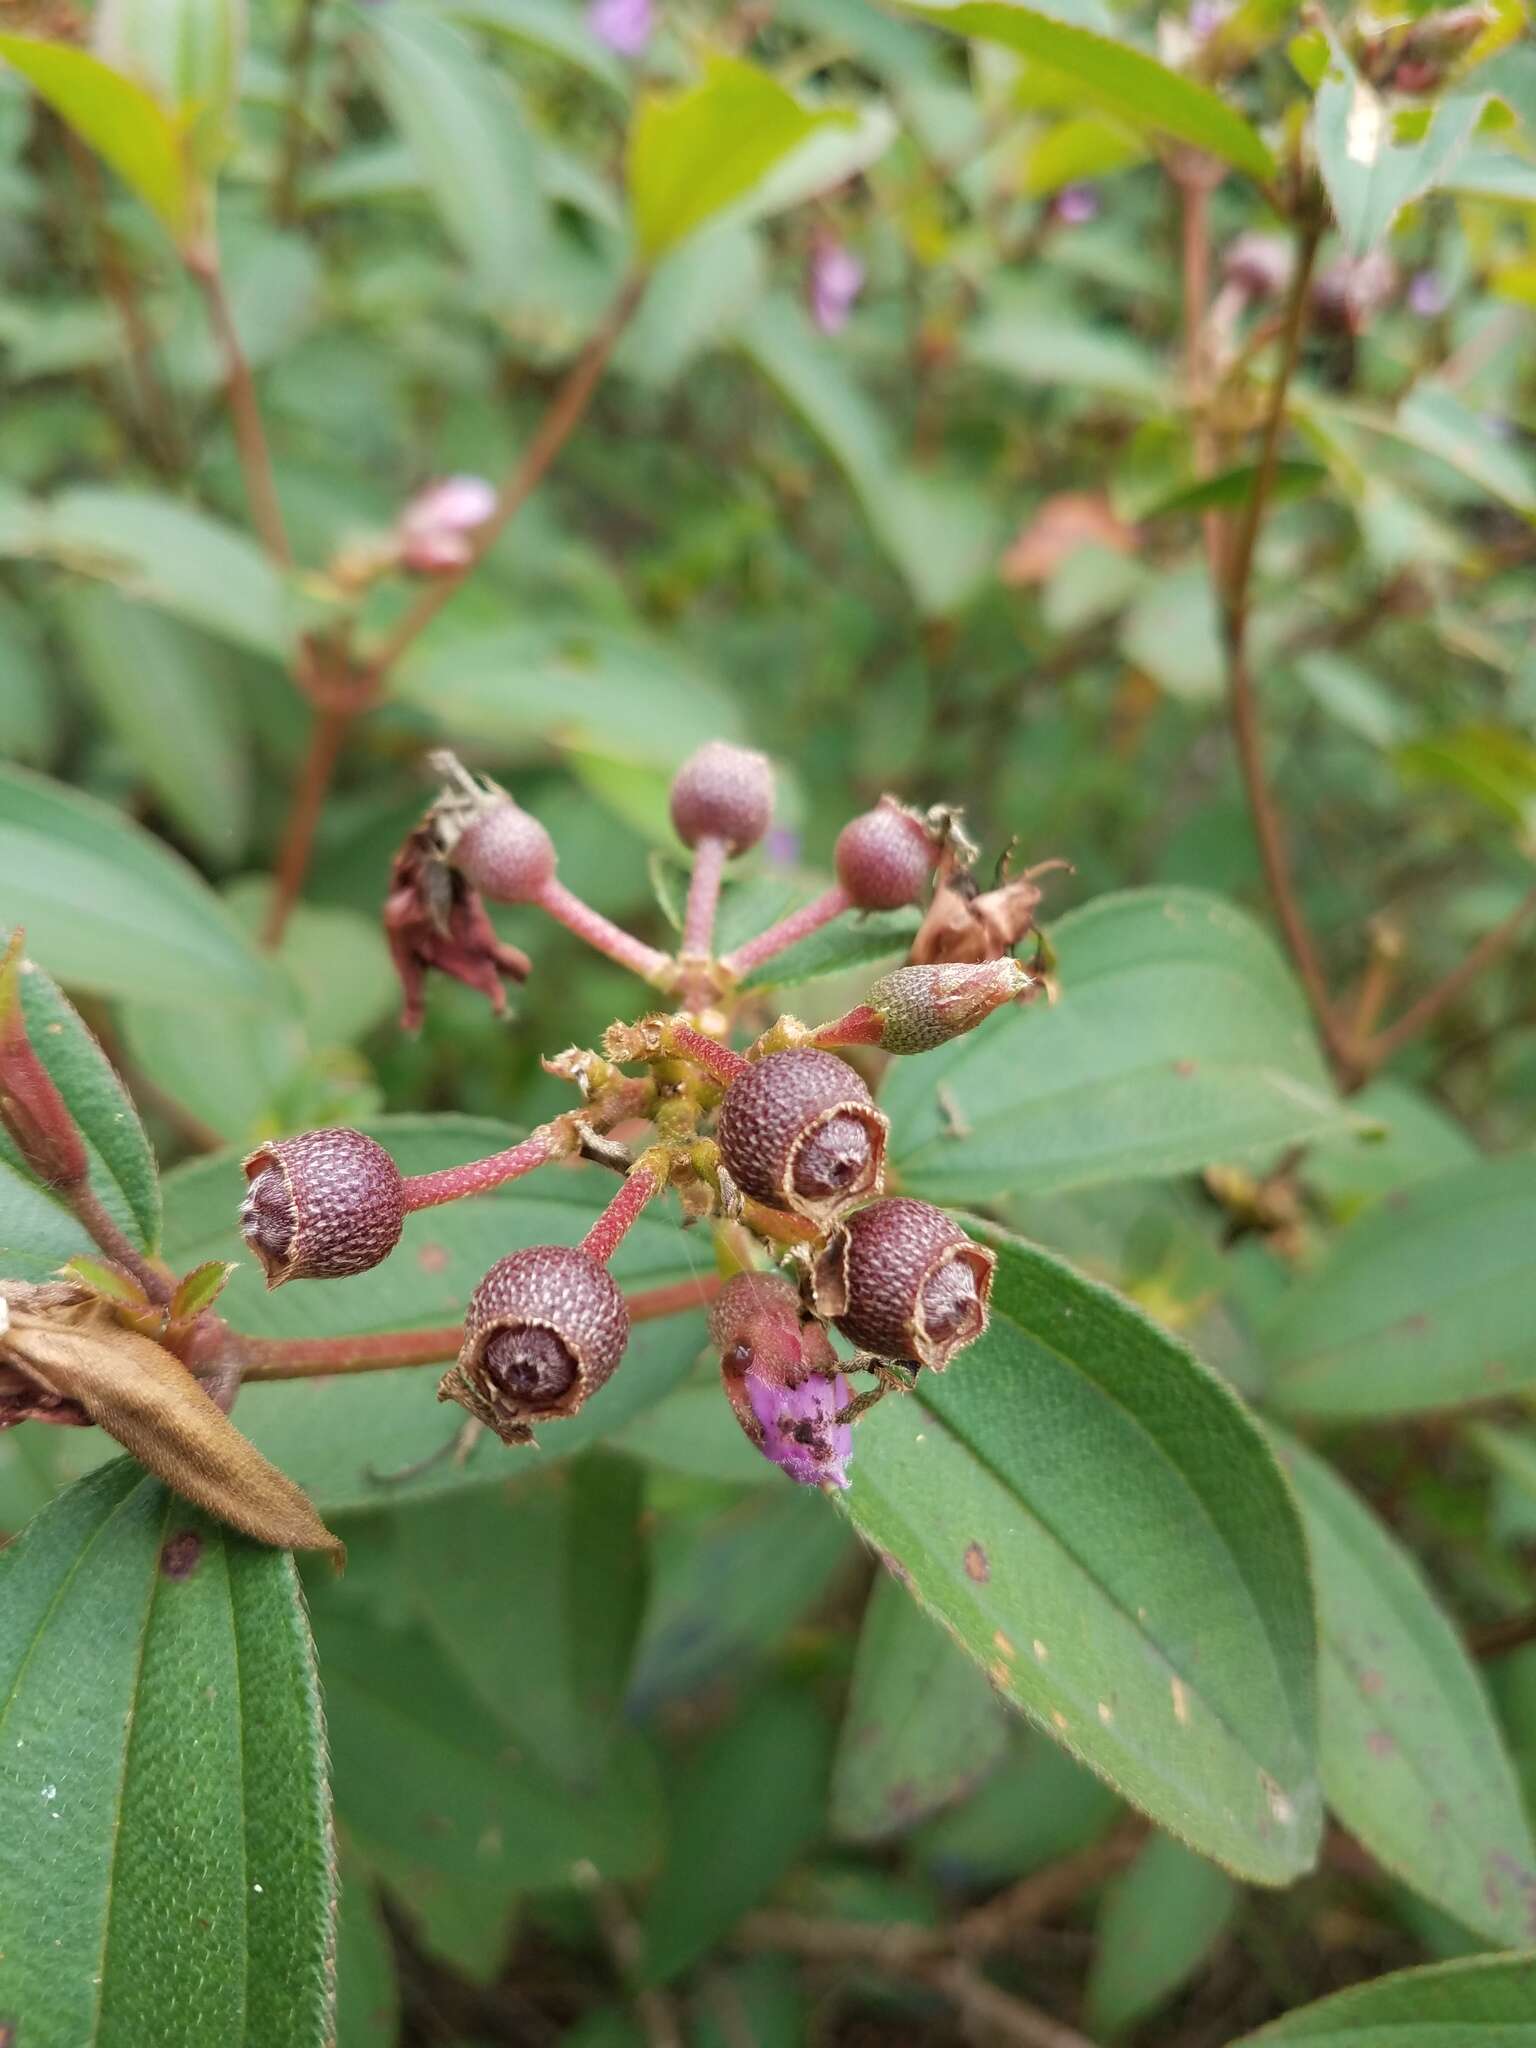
[[1484, 2002]]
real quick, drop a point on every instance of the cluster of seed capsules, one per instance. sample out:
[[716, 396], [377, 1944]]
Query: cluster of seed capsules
[[782, 1145]]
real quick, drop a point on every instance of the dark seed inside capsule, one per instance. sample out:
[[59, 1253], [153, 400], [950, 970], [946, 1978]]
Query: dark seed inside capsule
[[950, 1302], [834, 1158], [266, 1215], [530, 1365]]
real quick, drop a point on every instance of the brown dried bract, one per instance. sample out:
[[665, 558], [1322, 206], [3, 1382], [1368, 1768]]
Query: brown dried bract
[[1062, 525], [434, 919], [965, 923]]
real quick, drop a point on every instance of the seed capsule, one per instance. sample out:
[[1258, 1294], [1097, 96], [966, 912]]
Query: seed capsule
[[321, 1205], [723, 792], [902, 1280], [921, 1007], [505, 852], [544, 1329], [800, 1131], [884, 857]]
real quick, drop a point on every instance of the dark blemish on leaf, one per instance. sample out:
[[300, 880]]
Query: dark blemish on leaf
[[1380, 1743], [1184, 1068], [1371, 1683], [976, 1566], [902, 1799], [178, 1560], [7, 2034], [432, 1258], [896, 1568]]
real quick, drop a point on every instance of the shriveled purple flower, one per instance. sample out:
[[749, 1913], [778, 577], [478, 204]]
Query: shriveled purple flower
[[1075, 205], [833, 283], [438, 526], [800, 1429], [623, 26], [1428, 295]]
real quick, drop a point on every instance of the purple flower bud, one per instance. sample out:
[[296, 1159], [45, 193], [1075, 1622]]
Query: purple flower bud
[[834, 280], [437, 527], [800, 1430], [1075, 205], [1428, 295], [623, 26]]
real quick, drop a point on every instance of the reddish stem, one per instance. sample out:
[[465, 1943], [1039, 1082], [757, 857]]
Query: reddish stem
[[601, 932], [304, 1358], [327, 737], [641, 1185], [798, 925], [478, 1176], [244, 409], [860, 1026], [717, 1060], [703, 898], [152, 1276]]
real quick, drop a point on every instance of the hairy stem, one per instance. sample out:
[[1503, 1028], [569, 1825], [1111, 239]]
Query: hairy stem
[[641, 1185], [564, 415], [779, 937], [479, 1176], [1194, 190], [244, 408], [155, 1278], [601, 933], [703, 898], [719, 1061]]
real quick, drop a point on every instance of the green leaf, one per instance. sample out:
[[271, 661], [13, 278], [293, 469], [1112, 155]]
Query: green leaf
[[534, 1594], [850, 942], [1418, 1140], [1173, 634], [1111, 75], [1427, 1302], [548, 25], [598, 689], [1039, 1807], [1369, 176], [123, 1170], [190, 54], [115, 115], [1034, 341], [340, 1438], [1437, 422], [367, 1994], [159, 551], [423, 1770], [922, 1724], [1235, 487], [178, 722], [1179, 1039], [110, 909], [747, 1803], [936, 527], [465, 127], [1411, 1757], [695, 152], [1159, 1921], [776, 1551], [165, 1856], [1484, 2002], [1492, 174], [1098, 1522]]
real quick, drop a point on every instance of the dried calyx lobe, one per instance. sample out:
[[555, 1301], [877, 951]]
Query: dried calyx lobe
[[799, 1130], [322, 1205], [902, 1280], [543, 1331]]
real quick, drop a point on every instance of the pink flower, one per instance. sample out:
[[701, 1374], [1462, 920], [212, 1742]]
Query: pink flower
[[437, 528], [1075, 205], [833, 284], [623, 26], [800, 1430]]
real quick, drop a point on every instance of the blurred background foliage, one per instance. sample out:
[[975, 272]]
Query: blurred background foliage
[[941, 536]]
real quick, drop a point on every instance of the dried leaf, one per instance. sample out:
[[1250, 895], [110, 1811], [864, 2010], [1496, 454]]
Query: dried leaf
[[1064, 523], [70, 1348]]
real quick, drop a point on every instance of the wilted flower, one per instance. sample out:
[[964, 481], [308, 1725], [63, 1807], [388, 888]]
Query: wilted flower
[[438, 526], [966, 922], [800, 1429], [833, 283], [433, 918], [1352, 289], [623, 26], [1075, 205]]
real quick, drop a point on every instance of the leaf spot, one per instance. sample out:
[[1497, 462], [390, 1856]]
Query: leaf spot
[[432, 1258], [1371, 1683], [181, 1554], [1380, 1743], [1184, 1068], [976, 1566], [1180, 1692], [1279, 1805], [1106, 1712], [1059, 1720], [1041, 1652], [1005, 1648]]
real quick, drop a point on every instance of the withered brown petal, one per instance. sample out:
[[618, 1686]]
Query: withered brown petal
[[144, 1397]]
